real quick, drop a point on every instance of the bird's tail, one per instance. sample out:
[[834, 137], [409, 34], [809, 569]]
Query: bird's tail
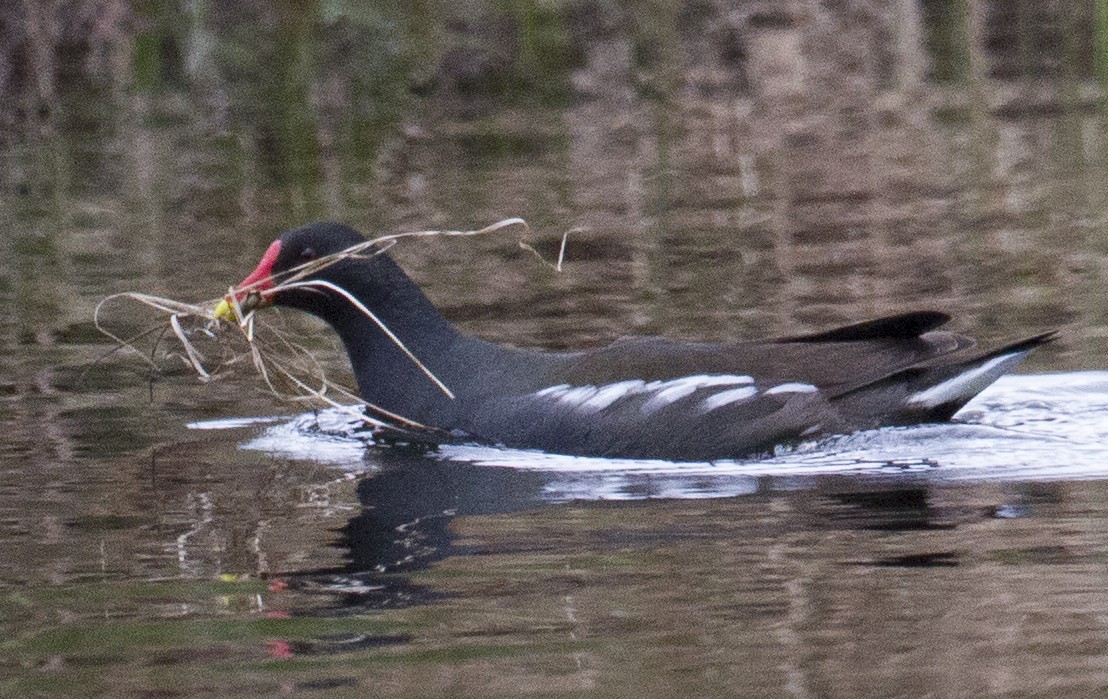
[[933, 391]]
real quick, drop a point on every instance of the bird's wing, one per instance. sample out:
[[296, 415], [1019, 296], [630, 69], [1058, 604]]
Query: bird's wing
[[695, 417], [836, 361], [655, 398]]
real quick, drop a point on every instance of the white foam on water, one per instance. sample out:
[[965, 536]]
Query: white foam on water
[[326, 437], [234, 423]]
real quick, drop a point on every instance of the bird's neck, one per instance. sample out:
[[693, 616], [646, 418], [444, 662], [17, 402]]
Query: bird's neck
[[440, 375], [393, 353]]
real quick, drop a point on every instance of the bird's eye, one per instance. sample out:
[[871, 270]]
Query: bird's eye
[[308, 254]]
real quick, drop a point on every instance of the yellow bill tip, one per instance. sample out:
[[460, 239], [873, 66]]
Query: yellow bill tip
[[224, 311]]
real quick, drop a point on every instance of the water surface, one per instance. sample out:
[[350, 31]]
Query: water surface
[[726, 173]]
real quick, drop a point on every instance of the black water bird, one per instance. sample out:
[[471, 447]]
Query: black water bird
[[640, 397]]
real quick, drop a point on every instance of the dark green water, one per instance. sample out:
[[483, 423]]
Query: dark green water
[[729, 170]]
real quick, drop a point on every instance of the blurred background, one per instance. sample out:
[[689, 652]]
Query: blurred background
[[726, 169], [729, 168]]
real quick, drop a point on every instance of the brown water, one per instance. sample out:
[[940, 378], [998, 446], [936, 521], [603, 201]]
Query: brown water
[[728, 170]]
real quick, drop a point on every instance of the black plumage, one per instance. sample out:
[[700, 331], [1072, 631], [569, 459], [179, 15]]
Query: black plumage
[[639, 397]]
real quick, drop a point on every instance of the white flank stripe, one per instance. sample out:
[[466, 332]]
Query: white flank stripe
[[666, 392], [664, 396], [578, 394], [553, 390], [968, 383], [792, 388], [723, 398], [594, 399], [610, 393]]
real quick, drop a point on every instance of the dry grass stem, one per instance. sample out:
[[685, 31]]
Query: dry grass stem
[[194, 357], [321, 284], [557, 266]]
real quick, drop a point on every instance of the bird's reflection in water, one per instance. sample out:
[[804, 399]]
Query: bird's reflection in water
[[904, 507], [408, 506], [410, 503]]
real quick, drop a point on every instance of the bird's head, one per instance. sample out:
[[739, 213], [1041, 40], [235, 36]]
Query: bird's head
[[291, 260]]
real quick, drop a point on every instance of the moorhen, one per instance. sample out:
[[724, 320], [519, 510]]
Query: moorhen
[[640, 397]]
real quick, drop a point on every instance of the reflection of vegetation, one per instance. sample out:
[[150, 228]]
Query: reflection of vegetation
[[106, 649], [299, 67], [540, 72], [657, 48], [156, 56], [98, 639], [1101, 42], [276, 112], [238, 631], [947, 39]]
